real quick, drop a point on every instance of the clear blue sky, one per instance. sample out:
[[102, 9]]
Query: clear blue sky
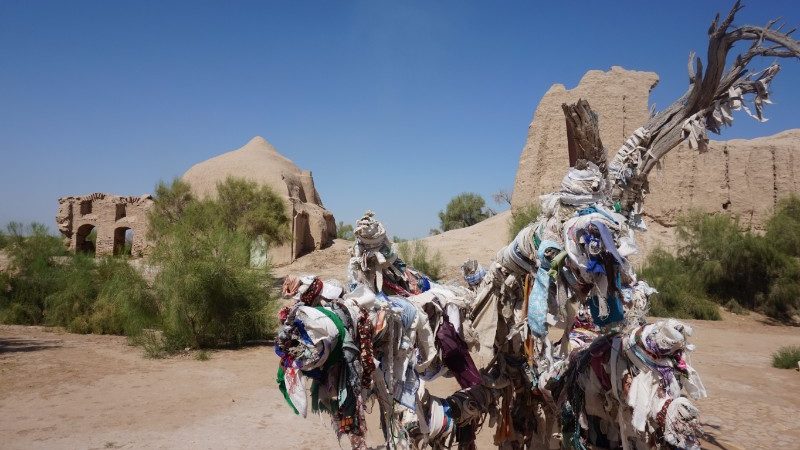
[[394, 106]]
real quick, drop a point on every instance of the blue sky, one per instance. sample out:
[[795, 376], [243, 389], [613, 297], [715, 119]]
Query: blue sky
[[394, 106]]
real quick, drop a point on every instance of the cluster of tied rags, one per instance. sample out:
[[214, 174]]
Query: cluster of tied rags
[[611, 380], [377, 340]]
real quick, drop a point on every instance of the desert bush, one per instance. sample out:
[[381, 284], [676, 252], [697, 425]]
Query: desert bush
[[169, 202], [105, 296], [786, 357], [151, 342], [718, 262], [416, 254], [521, 218], [205, 294], [70, 304], [680, 294], [731, 264], [463, 210], [251, 209], [125, 304], [734, 307], [45, 286], [344, 231], [783, 228], [32, 275], [209, 294]]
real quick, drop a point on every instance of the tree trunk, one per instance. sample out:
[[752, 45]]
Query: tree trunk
[[583, 135]]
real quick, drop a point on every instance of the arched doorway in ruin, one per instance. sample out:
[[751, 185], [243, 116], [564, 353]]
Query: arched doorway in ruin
[[123, 241], [86, 239]]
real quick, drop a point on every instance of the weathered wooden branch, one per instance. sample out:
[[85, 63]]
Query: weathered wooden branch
[[707, 103], [583, 135]]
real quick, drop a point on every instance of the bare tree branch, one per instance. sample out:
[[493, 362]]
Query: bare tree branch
[[706, 105], [502, 196]]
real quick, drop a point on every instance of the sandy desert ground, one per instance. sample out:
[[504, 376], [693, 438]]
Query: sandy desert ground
[[62, 390]]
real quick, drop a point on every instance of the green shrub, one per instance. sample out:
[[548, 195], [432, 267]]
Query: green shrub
[[734, 307], [344, 231], [45, 286], [783, 301], [786, 357], [521, 218], [718, 262], [209, 293], [125, 304], [680, 294], [416, 255], [105, 296], [783, 228], [152, 343], [463, 210], [169, 201], [206, 294], [252, 209], [32, 275], [70, 305]]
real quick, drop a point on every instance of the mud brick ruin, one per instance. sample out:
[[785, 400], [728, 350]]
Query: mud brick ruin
[[113, 218]]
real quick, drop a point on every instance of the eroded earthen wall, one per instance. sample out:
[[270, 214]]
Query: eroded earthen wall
[[111, 216], [745, 178]]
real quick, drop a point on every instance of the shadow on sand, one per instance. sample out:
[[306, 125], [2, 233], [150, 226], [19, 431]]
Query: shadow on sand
[[14, 345]]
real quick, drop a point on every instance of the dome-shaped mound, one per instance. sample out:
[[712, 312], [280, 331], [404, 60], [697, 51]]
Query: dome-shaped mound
[[313, 226]]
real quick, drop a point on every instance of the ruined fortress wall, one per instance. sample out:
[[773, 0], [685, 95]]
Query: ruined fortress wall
[[743, 177], [111, 216]]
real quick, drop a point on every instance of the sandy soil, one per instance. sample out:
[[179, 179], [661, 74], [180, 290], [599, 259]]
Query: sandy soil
[[63, 390]]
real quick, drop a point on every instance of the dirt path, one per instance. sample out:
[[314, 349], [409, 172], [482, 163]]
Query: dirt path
[[72, 391]]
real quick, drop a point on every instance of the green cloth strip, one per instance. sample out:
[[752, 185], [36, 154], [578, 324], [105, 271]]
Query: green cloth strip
[[282, 386]]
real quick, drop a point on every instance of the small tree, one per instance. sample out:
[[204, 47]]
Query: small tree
[[210, 294], [344, 231], [502, 197], [464, 210]]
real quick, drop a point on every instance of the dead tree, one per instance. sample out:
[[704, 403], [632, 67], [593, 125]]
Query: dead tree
[[707, 104], [583, 136]]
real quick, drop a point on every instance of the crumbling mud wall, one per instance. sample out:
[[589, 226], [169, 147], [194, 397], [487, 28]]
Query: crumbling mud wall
[[112, 217], [313, 227], [742, 177], [619, 97]]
